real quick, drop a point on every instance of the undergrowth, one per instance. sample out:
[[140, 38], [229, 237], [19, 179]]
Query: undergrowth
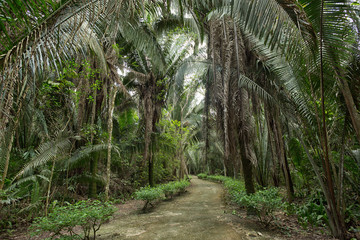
[[160, 192]]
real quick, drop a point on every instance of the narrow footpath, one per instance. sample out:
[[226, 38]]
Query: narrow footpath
[[199, 214]]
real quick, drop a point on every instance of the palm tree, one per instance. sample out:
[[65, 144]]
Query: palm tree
[[272, 26], [152, 69]]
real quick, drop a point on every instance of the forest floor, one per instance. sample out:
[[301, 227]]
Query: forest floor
[[201, 213], [198, 214]]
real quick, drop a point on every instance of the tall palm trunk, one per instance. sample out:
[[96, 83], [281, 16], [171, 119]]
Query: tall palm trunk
[[228, 52], [275, 162], [49, 188], [337, 228], [152, 101], [113, 92], [281, 154], [350, 104], [11, 140], [245, 140], [206, 166], [149, 112], [94, 159]]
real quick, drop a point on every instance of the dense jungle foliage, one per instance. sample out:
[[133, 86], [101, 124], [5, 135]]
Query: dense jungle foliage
[[100, 98]]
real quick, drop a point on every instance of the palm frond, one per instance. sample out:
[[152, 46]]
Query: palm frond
[[268, 21], [86, 151], [46, 152], [252, 86]]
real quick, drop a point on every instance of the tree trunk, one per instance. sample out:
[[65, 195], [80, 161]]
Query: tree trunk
[[49, 188], [94, 159], [340, 198], [148, 92], [110, 129], [275, 162], [246, 144], [11, 140], [282, 155], [350, 104], [206, 127], [228, 45], [338, 230], [151, 169]]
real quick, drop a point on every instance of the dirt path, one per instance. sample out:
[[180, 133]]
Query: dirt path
[[197, 214]]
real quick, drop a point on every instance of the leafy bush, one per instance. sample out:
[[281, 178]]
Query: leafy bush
[[172, 188], [169, 189], [218, 178], [181, 185], [352, 215], [202, 175], [312, 212], [290, 208], [235, 188], [149, 194], [234, 185], [263, 202], [89, 215]]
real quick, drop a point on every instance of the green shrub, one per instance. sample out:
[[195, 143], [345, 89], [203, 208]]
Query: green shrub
[[182, 185], [169, 189], [235, 188], [172, 188], [234, 185], [202, 175], [312, 212], [290, 208], [149, 194], [217, 178], [264, 203], [89, 215]]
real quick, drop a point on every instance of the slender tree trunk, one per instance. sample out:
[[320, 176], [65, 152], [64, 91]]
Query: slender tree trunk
[[275, 168], [94, 159], [110, 129], [49, 188], [206, 127], [350, 104], [226, 95], [151, 169], [11, 140], [282, 156], [245, 143], [149, 111], [340, 201], [333, 214], [6, 105]]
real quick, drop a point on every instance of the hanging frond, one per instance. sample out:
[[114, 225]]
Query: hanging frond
[[252, 86], [46, 152], [86, 151]]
